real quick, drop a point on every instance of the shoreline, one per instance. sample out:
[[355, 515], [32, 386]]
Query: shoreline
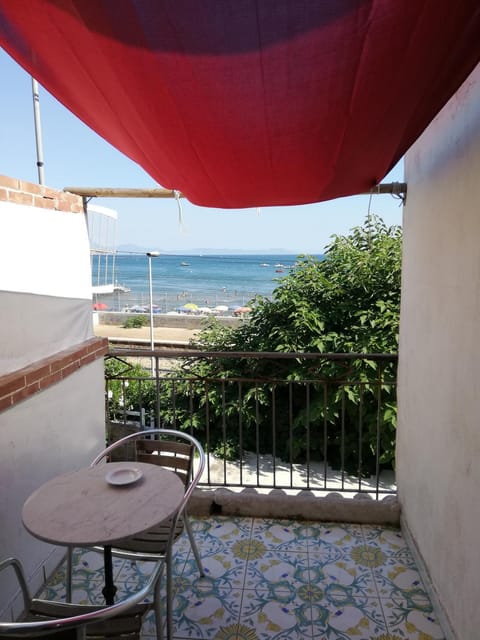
[[177, 335], [175, 320], [176, 329]]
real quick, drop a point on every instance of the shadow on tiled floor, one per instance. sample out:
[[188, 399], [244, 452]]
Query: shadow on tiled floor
[[281, 579]]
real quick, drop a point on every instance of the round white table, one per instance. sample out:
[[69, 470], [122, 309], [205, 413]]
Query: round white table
[[81, 508]]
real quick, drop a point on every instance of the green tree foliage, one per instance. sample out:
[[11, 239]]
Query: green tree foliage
[[136, 322], [348, 302]]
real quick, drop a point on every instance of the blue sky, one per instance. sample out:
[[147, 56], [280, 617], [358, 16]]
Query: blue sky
[[76, 156]]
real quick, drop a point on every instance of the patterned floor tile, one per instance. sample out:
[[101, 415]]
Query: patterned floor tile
[[339, 574], [54, 589], [285, 535], [90, 564], [279, 579], [278, 618], [275, 571], [225, 568], [83, 593], [367, 555], [134, 570], [149, 629], [416, 622], [389, 538], [331, 538], [202, 615], [87, 580], [187, 567], [349, 619], [394, 577], [221, 531]]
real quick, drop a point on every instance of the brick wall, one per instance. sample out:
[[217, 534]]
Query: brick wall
[[36, 195], [18, 385]]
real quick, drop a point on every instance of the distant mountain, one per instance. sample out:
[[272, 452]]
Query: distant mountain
[[135, 248], [132, 248]]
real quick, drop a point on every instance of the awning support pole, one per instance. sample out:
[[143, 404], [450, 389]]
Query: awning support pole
[[398, 189]]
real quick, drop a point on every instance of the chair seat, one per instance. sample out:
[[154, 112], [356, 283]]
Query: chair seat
[[154, 540], [65, 634], [126, 626], [65, 620]]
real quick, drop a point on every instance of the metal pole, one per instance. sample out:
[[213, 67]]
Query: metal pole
[[152, 343], [150, 255], [38, 131]]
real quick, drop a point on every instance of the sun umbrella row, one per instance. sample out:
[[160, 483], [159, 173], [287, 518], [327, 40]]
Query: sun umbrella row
[[189, 307]]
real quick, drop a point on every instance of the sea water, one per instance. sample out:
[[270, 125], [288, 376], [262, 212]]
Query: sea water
[[205, 280]]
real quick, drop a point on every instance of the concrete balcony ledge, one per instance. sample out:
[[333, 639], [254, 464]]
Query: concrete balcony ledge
[[360, 509]]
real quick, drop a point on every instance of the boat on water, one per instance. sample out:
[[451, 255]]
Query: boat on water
[[264, 264], [119, 288], [184, 264]]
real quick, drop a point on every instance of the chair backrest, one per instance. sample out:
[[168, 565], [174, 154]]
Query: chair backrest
[[72, 617], [170, 454], [175, 450], [116, 432]]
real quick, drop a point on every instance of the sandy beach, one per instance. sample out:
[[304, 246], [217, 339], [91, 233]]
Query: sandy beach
[[171, 335]]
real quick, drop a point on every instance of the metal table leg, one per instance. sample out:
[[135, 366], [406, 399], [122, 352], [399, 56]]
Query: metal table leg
[[109, 590]]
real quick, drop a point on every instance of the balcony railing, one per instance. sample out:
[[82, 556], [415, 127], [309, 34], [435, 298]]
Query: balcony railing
[[296, 421]]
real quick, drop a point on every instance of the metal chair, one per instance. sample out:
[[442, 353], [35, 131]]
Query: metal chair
[[181, 453], [65, 621]]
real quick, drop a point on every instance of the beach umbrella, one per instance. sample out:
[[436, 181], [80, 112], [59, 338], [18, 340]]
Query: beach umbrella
[[190, 306], [155, 308], [205, 310], [100, 306], [221, 307]]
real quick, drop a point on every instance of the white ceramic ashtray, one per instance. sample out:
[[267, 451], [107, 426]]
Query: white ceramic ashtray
[[123, 475]]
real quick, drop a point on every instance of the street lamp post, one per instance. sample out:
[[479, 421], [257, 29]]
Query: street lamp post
[[150, 255]]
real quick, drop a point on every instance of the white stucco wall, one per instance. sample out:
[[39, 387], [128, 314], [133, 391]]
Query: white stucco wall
[[438, 450], [58, 430], [45, 309], [45, 283]]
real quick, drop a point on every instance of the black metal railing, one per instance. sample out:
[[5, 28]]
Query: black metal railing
[[296, 421]]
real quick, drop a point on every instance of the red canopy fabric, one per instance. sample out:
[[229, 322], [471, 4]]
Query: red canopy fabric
[[240, 103]]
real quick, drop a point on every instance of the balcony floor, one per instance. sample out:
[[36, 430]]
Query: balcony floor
[[281, 579]]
